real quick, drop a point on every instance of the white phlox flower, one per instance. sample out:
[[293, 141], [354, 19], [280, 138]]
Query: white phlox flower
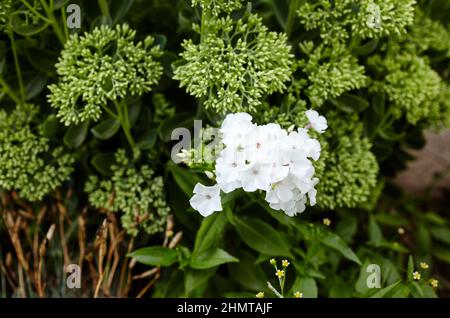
[[318, 123], [266, 158], [206, 200]]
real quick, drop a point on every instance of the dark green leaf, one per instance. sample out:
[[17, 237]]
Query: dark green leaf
[[76, 134], [262, 237], [210, 232], [106, 129], [210, 258], [155, 256], [102, 162], [335, 242]]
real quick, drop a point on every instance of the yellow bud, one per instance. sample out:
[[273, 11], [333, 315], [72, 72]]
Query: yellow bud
[[424, 265], [327, 221], [298, 294], [260, 295]]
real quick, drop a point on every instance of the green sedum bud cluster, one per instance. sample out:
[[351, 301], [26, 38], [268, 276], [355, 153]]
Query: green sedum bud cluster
[[27, 162], [331, 70], [412, 86], [235, 65], [105, 64], [342, 19], [347, 169], [218, 6], [137, 193]]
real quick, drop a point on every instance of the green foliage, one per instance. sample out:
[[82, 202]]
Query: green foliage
[[235, 65], [347, 168], [135, 192], [218, 6], [343, 19], [331, 70], [105, 64], [28, 163]]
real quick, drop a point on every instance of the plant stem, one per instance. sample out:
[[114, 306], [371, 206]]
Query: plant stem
[[206, 16], [53, 21], [291, 16], [7, 89], [122, 113], [104, 7], [17, 65], [30, 7], [274, 290]]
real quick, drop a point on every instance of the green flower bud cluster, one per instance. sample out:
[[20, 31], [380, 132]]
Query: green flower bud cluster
[[236, 64], [347, 169], [5, 10], [412, 86], [27, 162], [218, 6], [137, 193], [363, 18], [331, 70], [105, 64]]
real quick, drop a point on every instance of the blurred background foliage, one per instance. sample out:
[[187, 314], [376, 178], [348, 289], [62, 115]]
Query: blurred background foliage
[[103, 193]]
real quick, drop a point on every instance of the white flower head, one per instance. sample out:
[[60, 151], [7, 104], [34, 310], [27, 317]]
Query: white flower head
[[206, 200], [267, 158], [318, 123]]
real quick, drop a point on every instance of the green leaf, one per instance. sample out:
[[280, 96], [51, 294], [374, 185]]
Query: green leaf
[[35, 86], [410, 268], [335, 242], [210, 232], [194, 278], [305, 285], [262, 237], [366, 48], [350, 103], [375, 235], [102, 162], [147, 140], [50, 126], [441, 234], [383, 292], [186, 179], [210, 258], [42, 60], [247, 273], [442, 253], [119, 8], [76, 134], [155, 256], [423, 240], [106, 129], [393, 220]]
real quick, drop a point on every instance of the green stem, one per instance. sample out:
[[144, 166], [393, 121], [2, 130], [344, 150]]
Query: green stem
[[104, 7], [110, 112], [7, 89], [53, 21], [17, 65], [206, 16], [30, 7], [291, 16], [122, 113], [64, 17]]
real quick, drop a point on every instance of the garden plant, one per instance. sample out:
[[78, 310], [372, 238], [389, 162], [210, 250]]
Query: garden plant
[[221, 148]]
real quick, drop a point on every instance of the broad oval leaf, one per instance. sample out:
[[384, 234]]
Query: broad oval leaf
[[335, 242], [106, 129], [262, 237], [211, 258]]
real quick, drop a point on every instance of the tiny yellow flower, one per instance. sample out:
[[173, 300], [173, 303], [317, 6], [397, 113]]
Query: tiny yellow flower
[[285, 263], [260, 295], [326, 221], [273, 262], [401, 231], [416, 275], [279, 273], [298, 294], [434, 283], [424, 265]]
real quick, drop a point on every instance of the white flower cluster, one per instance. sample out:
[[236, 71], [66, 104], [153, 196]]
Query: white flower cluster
[[266, 158]]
